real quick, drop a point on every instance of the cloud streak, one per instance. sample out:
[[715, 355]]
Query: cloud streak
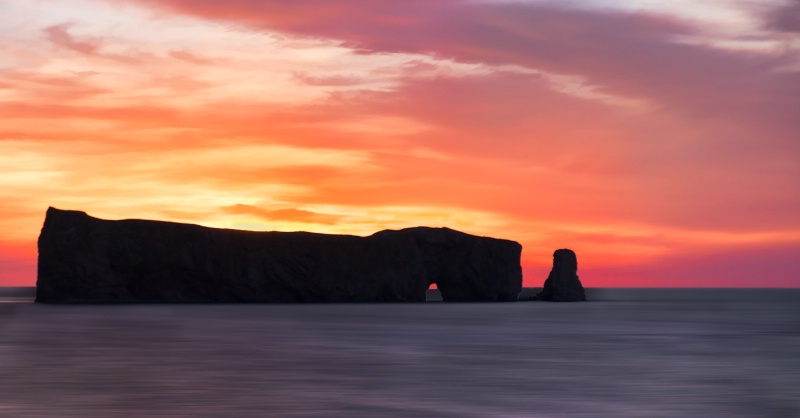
[[290, 214]]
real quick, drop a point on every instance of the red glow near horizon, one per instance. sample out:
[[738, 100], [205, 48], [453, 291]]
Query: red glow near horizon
[[658, 143]]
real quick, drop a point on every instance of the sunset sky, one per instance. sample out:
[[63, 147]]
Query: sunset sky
[[660, 140]]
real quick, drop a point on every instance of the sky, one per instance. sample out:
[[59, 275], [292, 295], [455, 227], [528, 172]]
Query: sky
[[658, 140]]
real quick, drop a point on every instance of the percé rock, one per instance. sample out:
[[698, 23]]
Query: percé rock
[[85, 259], [563, 285]]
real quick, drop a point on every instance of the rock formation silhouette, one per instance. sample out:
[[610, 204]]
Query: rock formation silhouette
[[85, 259], [562, 285]]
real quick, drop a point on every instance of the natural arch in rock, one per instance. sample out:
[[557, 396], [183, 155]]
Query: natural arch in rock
[[85, 259]]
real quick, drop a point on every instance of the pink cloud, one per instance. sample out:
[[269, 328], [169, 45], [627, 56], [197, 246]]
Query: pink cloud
[[786, 18], [60, 36], [337, 80], [628, 54], [65, 87], [193, 58]]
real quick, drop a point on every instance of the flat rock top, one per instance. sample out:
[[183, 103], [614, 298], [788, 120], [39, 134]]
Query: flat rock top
[[85, 259]]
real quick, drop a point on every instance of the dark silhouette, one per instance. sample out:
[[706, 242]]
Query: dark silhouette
[[85, 259], [562, 285]]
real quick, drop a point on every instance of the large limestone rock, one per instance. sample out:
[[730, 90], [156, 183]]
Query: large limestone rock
[[563, 285], [85, 259]]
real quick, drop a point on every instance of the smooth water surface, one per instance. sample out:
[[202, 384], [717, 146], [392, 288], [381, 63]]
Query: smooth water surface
[[526, 359]]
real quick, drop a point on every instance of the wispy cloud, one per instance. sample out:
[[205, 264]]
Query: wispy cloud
[[59, 36], [288, 214]]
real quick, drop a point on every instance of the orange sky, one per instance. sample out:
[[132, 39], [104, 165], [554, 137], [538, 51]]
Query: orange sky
[[661, 142]]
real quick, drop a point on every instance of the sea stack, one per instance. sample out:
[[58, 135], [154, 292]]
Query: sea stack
[[563, 285], [88, 260]]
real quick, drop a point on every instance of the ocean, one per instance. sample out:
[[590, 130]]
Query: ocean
[[625, 353]]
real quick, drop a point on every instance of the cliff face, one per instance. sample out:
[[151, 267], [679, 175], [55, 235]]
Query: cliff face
[[85, 259]]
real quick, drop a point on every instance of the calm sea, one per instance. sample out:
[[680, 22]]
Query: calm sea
[[632, 353]]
